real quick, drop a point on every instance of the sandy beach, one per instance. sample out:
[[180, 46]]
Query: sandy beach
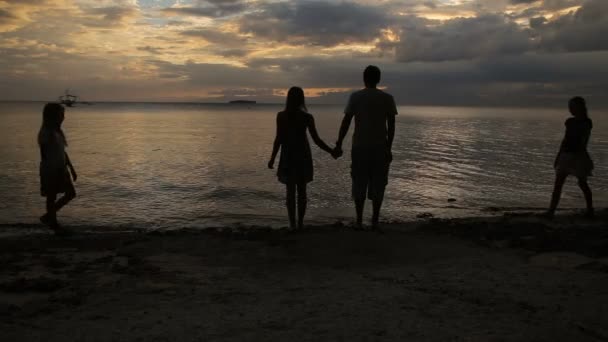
[[507, 278]]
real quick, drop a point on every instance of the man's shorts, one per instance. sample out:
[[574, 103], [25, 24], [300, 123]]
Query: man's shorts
[[369, 172]]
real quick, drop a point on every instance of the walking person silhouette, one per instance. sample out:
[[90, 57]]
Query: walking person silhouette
[[56, 169], [573, 158], [374, 112], [295, 164]]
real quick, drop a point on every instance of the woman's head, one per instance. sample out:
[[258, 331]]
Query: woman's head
[[53, 115], [295, 100], [578, 106]]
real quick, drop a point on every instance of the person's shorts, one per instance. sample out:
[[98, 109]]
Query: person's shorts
[[369, 172]]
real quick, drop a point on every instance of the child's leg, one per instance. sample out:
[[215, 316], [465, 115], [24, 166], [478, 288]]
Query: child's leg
[[582, 183], [69, 195], [302, 200], [560, 179], [291, 204], [50, 218]]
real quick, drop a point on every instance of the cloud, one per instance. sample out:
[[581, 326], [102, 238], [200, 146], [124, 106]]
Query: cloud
[[209, 8], [315, 22], [8, 20], [582, 30], [463, 38], [216, 36], [112, 16], [474, 52]]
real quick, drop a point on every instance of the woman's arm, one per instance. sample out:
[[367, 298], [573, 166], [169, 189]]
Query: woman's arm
[[315, 137], [71, 167], [276, 145]]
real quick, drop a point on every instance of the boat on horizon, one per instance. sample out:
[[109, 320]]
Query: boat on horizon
[[70, 100]]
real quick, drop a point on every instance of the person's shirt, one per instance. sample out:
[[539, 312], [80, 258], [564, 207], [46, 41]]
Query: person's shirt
[[52, 149], [577, 135], [371, 108]]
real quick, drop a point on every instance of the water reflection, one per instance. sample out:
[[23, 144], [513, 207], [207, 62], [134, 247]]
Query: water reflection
[[193, 165]]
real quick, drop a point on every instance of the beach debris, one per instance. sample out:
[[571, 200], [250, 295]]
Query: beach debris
[[424, 215], [451, 200]]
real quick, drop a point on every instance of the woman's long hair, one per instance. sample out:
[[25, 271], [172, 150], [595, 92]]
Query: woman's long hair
[[579, 103], [52, 117], [295, 100]]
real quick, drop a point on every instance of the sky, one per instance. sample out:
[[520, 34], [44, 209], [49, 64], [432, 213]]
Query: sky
[[431, 52]]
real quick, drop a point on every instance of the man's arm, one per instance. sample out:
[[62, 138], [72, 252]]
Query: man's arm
[[391, 130], [390, 125], [391, 136]]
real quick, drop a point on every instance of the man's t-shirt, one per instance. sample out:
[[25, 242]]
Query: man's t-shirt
[[371, 107]]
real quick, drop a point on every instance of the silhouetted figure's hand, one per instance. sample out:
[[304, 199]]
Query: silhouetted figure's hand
[[74, 175], [337, 152], [271, 164], [389, 155]]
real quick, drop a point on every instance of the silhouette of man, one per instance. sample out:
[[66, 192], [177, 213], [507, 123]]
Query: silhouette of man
[[374, 112]]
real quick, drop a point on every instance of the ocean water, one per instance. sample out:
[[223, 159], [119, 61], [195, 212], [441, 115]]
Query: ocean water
[[164, 166]]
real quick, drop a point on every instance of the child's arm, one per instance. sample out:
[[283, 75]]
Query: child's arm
[[275, 146], [72, 170], [315, 137]]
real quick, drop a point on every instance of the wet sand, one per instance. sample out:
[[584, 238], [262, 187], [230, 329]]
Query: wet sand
[[508, 278]]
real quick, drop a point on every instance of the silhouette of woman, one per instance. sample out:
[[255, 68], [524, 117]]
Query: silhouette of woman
[[573, 158], [55, 162], [295, 164]]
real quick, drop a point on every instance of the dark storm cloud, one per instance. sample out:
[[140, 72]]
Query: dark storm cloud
[[462, 38], [316, 22], [210, 8], [583, 30]]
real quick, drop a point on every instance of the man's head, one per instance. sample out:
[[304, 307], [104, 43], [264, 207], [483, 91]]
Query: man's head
[[371, 76]]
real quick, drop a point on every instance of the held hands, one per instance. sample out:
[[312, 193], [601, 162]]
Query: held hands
[[337, 152]]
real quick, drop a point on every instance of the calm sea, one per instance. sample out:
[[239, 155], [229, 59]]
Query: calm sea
[[188, 165]]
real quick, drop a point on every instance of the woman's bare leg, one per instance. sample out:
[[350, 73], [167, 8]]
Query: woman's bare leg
[[560, 179], [65, 199], [302, 201], [582, 183], [50, 218], [291, 204]]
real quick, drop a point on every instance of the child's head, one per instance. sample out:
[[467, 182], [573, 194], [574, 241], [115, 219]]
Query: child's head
[[295, 100], [53, 115], [577, 106]]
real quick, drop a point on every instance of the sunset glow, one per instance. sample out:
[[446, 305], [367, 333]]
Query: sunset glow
[[215, 50]]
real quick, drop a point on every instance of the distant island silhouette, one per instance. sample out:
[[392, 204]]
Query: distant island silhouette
[[243, 102]]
